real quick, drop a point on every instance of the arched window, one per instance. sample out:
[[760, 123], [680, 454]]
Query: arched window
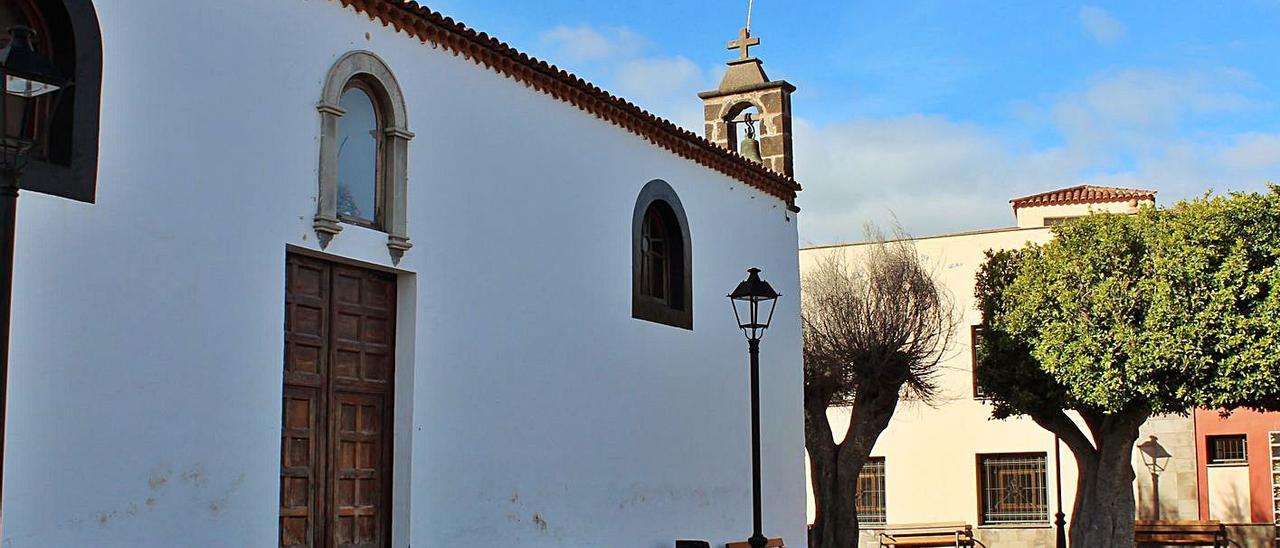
[[364, 145], [662, 281], [65, 161]]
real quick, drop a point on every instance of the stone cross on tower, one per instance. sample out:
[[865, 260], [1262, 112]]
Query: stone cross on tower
[[744, 43]]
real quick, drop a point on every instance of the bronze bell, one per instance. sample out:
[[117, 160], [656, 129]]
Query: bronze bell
[[750, 148]]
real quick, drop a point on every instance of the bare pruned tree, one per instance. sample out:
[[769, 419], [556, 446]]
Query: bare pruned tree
[[876, 325]]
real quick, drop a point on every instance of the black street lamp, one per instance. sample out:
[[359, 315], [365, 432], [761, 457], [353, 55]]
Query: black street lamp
[[1059, 517], [1156, 458], [32, 85], [750, 300]]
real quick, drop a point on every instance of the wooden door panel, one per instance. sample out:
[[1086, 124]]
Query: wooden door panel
[[306, 321], [335, 479], [359, 469], [300, 454]]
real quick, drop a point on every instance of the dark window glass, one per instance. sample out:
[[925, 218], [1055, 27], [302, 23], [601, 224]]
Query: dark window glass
[[870, 495], [1228, 449], [358, 140], [1013, 489], [660, 255], [655, 274], [975, 347]]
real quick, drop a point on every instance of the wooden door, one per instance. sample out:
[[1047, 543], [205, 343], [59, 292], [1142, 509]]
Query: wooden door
[[335, 462]]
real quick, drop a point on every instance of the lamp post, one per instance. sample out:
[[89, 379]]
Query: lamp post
[[1059, 517], [1156, 458], [748, 300], [31, 87]]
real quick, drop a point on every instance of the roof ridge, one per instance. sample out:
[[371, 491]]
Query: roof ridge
[[432, 27], [1083, 193]]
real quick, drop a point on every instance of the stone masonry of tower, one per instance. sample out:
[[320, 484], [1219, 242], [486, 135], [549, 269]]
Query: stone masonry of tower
[[745, 85]]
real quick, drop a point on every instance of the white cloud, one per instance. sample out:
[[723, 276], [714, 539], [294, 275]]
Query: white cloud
[[1101, 25], [621, 61], [1253, 151], [586, 43], [1136, 128]]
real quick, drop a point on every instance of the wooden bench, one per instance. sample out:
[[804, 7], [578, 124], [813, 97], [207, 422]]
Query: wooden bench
[[773, 543], [952, 533], [1180, 533]]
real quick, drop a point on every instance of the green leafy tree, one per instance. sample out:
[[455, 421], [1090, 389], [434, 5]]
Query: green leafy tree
[[1120, 317]]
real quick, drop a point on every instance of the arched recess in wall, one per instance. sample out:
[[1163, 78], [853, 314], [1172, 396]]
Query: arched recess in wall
[[357, 78], [661, 258], [65, 163], [733, 120]]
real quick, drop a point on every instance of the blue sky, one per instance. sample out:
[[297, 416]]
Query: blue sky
[[936, 113]]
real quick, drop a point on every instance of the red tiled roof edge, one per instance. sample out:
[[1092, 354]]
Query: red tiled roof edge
[[1083, 194], [431, 27]]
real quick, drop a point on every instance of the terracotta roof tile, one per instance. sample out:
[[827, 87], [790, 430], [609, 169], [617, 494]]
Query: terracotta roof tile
[[431, 27], [1083, 194]]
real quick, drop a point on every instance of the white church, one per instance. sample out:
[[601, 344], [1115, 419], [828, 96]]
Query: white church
[[349, 273]]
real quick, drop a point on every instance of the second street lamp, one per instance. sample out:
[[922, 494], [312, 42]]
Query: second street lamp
[[753, 301]]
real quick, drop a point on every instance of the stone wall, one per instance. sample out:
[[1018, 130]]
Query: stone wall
[[1179, 492]]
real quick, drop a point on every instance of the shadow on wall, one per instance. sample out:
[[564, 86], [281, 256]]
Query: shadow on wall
[[1235, 513]]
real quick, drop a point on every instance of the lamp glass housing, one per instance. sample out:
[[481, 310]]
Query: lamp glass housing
[[753, 304], [32, 84]]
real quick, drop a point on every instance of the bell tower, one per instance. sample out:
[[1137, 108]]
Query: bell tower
[[745, 87]]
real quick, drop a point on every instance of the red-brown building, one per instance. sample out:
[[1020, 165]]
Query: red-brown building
[[1238, 469]]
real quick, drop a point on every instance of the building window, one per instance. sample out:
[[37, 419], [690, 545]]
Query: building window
[[64, 162], [975, 346], [1013, 489], [1055, 221], [870, 495], [662, 281], [1228, 449], [364, 151]]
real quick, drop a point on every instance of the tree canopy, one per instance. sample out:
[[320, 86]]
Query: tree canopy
[[1166, 310]]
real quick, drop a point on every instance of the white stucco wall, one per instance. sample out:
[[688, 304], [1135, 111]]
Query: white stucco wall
[[532, 410]]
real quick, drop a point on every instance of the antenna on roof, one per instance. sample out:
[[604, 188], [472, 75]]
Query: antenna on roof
[[750, 4]]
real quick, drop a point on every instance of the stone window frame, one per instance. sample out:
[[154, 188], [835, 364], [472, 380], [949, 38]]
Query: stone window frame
[[372, 74], [643, 307]]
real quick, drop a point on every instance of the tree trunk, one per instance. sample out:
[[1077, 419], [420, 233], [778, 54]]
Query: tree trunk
[[836, 467], [822, 470], [1105, 508]]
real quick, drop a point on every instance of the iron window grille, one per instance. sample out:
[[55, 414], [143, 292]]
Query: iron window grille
[[870, 495], [1232, 449], [1013, 489]]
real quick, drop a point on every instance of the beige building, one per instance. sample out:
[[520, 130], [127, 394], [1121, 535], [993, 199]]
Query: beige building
[[952, 462]]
